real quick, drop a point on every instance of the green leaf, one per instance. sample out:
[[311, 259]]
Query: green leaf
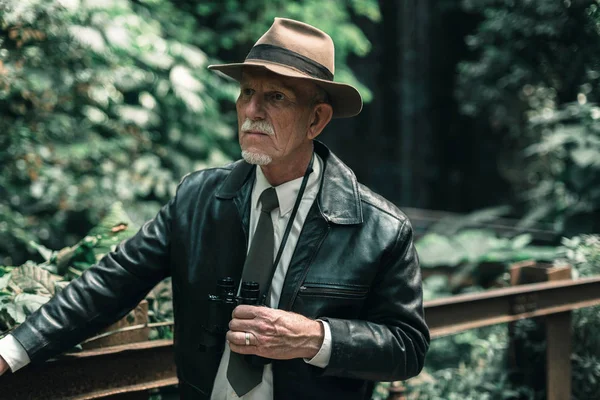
[[110, 225], [437, 250], [43, 250], [521, 241], [476, 243], [88, 37], [4, 281], [584, 157], [115, 227], [29, 303], [32, 279], [15, 312]]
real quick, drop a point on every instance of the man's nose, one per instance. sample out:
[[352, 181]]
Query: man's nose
[[256, 108]]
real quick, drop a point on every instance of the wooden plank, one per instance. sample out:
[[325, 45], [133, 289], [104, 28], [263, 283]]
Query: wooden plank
[[137, 316], [95, 374], [459, 313]]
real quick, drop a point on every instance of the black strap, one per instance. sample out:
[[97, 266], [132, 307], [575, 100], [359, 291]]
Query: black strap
[[288, 227], [281, 55]]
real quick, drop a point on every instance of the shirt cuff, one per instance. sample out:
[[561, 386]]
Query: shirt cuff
[[321, 359], [13, 353]]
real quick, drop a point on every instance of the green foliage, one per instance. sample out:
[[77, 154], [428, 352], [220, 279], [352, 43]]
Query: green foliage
[[532, 61], [473, 365], [470, 365], [25, 288], [529, 55], [451, 242], [99, 104], [476, 246], [583, 252], [472, 259], [160, 309], [535, 76], [22, 291], [564, 167]]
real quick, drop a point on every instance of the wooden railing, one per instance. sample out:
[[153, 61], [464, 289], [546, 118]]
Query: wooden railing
[[120, 371], [554, 299]]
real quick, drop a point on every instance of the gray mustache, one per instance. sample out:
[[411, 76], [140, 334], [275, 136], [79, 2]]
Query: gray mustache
[[259, 126]]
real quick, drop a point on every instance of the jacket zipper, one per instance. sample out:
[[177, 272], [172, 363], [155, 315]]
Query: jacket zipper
[[333, 291]]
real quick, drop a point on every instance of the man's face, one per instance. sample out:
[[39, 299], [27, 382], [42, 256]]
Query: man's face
[[273, 116]]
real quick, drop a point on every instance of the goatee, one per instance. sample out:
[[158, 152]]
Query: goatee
[[256, 158]]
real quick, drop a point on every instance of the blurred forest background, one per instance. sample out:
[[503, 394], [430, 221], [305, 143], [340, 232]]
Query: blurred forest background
[[482, 110]]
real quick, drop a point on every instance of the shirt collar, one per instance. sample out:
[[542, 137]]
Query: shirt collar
[[288, 191]]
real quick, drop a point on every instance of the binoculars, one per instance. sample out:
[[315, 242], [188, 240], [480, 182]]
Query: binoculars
[[221, 304]]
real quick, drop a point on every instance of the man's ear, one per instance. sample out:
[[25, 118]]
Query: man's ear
[[320, 117]]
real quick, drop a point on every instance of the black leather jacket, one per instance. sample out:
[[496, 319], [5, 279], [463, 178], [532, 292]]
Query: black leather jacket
[[354, 266]]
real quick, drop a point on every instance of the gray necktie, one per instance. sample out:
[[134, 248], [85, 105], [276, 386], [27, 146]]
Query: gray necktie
[[242, 375]]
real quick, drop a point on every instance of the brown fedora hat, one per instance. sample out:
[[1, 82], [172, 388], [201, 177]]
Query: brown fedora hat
[[298, 50]]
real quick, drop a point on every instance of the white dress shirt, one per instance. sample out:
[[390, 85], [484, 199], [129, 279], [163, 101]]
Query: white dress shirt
[[13, 353], [16, 357], [286, 194]]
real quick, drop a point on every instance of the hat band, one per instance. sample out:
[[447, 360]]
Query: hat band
[[280, 55]]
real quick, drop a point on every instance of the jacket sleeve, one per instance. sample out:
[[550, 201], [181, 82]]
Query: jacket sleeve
[[103, 294], [391, 342]]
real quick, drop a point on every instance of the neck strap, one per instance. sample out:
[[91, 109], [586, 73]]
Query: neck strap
[[290, 223]]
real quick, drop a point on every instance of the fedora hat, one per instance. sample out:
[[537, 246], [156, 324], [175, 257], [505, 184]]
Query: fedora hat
[[298, 50]]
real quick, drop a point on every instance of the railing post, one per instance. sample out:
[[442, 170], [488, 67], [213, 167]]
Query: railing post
[[558, 356], [557, 330]]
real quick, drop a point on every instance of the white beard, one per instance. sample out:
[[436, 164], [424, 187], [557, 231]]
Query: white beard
[[256, 158]]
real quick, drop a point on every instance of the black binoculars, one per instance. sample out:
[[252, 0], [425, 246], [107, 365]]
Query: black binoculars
[[221, 304]]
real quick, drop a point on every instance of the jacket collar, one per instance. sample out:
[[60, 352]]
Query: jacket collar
[[339, 199]]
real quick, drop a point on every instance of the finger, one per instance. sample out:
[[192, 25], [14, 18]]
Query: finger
[[243, 349], [239, 338], [237, 343], [244, 311], [244, 325]]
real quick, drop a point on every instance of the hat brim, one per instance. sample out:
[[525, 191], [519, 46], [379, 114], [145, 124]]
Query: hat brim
[[345, 99]]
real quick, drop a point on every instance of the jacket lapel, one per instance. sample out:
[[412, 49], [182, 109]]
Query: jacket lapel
[[339, 198]]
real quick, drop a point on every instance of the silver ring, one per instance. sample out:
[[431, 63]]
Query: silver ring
[[247, 339]]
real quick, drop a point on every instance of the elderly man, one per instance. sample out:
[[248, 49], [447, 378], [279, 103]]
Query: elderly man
[[339, 282]]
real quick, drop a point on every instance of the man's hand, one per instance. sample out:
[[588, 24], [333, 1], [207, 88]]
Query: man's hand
[[273, 333], [3, 366]]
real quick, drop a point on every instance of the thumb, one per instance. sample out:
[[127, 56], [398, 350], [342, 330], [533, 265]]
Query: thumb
[[3, 366]]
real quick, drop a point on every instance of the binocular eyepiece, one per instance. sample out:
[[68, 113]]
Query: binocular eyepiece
[[221, 304]]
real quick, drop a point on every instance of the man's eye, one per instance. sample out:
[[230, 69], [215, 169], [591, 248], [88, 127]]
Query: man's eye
[[278, 96], [247, 92]]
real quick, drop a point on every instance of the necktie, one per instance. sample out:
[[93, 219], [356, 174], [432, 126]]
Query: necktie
[[242, 375]]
